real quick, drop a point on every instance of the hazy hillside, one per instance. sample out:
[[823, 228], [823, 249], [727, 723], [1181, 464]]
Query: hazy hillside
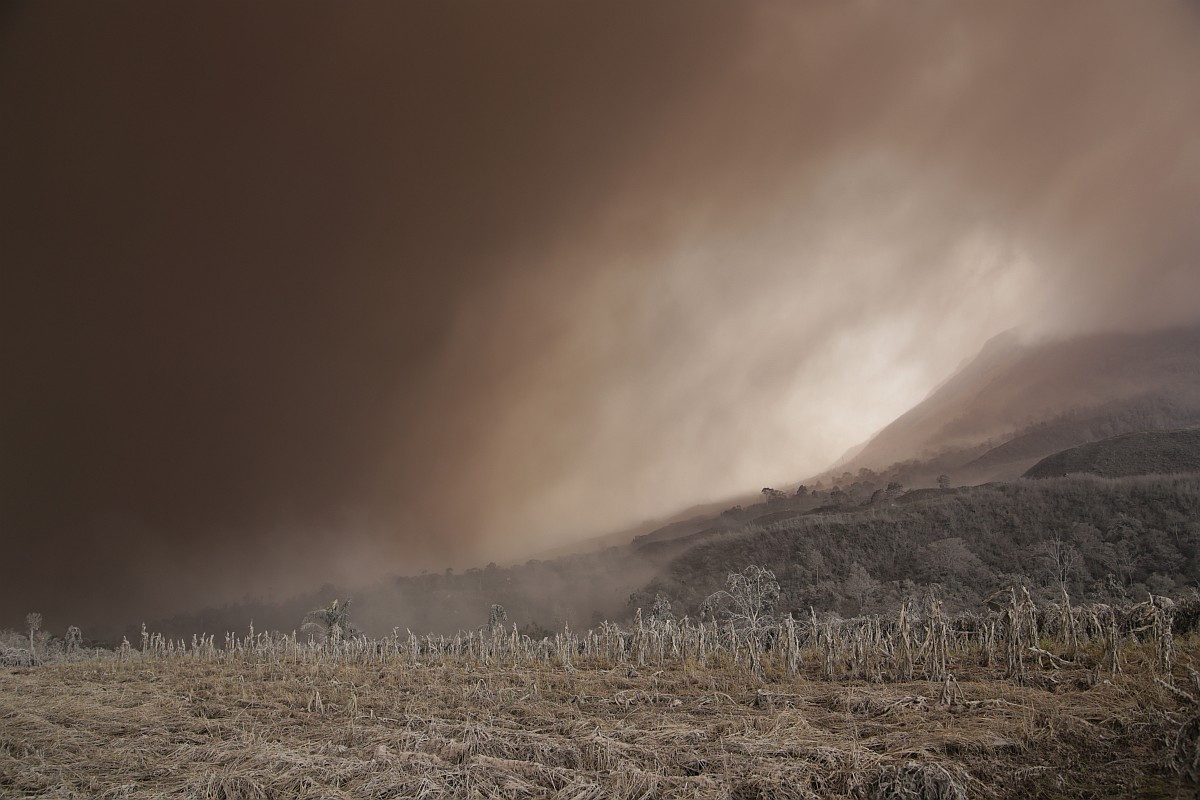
[[1018, 402], [1144, 453], [1012, 405], [1128, 536], [577, 589]]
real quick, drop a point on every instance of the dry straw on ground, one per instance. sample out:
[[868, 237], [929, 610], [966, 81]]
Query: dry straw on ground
[[275, 717]]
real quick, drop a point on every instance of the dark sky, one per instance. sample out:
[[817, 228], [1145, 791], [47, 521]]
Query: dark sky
[[300, 291]]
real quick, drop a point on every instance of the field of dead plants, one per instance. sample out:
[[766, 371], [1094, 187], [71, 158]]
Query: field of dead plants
[[1023, 702]]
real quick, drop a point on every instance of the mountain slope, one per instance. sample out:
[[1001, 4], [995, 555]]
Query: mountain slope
[[1016, 402]]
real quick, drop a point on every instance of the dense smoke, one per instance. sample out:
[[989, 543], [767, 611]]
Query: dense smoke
[[306, 293]]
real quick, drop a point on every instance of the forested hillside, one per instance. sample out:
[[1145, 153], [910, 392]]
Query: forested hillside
[[1102, 538], [1143, 453]]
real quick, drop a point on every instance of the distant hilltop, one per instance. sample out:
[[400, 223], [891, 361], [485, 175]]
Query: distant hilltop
[[1018, 402], [1142, 453]]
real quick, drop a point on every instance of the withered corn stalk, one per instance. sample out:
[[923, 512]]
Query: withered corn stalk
[[920, 642]]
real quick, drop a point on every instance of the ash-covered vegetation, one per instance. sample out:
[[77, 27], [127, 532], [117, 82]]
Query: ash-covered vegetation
[[1141, 453], [1025, 700], [859, 546], [1106, 540]]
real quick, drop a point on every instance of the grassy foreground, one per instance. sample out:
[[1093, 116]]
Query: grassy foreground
[[201, 729]]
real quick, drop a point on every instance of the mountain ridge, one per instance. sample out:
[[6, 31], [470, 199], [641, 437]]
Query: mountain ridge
[[1012, 387]]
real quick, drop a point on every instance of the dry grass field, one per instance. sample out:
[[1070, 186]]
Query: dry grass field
[[205, 729]]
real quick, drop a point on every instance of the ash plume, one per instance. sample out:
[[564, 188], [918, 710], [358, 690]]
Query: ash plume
[[294, 294]]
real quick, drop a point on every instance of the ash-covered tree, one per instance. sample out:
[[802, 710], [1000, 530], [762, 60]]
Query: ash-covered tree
[[33, 621], [73, 640], [947, 561], [747, 601], [773, 495], [329, 624], [497, 616], [661, 610], [1060, 560], [816, 564], [859, 585]]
